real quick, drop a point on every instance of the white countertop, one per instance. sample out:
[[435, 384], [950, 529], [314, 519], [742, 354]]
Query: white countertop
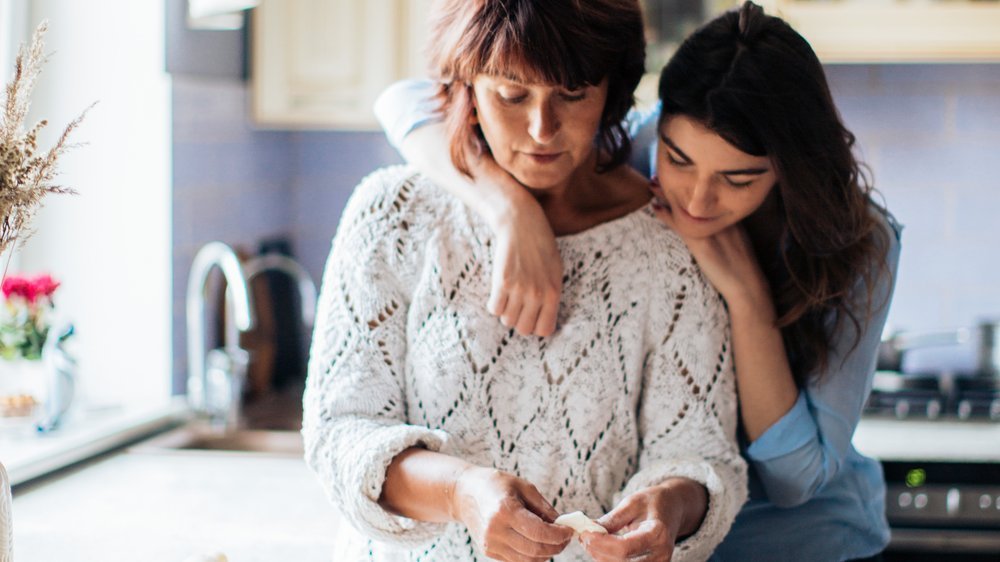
[[939, 440], [167, 506], [154, 505]]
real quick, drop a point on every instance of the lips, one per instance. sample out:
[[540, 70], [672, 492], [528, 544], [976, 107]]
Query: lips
[[544, 157]]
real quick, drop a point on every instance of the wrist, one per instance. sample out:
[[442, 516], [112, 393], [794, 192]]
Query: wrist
[[752, 302], [508, 206], [683, 503], [457, 491]]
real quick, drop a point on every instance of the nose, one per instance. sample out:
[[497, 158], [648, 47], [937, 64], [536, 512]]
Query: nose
[[703, 198], [543, 122]]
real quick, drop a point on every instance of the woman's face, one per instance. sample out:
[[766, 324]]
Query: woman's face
[[539, 133], [707, 183]]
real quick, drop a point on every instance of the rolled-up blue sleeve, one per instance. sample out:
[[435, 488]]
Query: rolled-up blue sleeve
[[641, 125], [404, 106], [807, 447]]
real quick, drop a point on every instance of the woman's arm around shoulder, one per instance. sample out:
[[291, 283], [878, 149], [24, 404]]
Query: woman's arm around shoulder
[[527, 270]]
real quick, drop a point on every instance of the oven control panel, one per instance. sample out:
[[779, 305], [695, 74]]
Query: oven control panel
[[943, 494], [951, 506]]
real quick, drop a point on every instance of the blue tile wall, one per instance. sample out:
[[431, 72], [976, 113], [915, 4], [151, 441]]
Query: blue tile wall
[[929, 132]]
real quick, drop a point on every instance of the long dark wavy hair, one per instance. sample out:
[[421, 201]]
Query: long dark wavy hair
[[571, 43], [756, 82]]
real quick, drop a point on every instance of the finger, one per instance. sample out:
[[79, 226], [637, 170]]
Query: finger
[[617, 547], [512, 311], [529, 317], [498, 301], [546, 324], [626, 512], [537, 531], [662, 555], [536, 503], [529, 548], [604, 547], [649, 537]]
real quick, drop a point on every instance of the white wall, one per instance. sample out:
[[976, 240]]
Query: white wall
[[109, 245]]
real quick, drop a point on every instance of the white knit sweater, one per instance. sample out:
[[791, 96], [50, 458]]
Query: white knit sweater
[[635, 386]]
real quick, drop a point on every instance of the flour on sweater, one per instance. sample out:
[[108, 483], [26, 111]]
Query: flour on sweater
[[636, 385]]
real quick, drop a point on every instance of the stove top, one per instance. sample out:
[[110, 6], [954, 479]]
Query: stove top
[[933, 397]]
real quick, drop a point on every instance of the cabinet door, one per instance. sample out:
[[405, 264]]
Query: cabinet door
[[894, 31], [322, 63]]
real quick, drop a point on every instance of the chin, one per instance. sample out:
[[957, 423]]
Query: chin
[[540, 181]]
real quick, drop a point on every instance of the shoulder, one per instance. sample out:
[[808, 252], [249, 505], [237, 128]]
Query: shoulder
[[669, 256], [390, 198]]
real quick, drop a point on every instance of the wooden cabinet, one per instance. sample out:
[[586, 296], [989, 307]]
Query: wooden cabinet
[[322, 63], [874, 31]]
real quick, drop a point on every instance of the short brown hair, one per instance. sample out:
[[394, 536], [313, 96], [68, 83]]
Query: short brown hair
[[571, 43]]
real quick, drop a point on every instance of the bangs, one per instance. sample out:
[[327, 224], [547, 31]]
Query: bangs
[[533, 46]]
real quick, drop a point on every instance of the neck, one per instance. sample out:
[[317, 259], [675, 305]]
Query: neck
[[574, 189], [588, 198]]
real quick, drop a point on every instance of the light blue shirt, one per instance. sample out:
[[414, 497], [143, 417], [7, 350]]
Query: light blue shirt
[[812, 495]]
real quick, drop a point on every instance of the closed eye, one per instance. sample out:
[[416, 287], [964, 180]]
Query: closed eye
[[733, 183], [676, 161], [512, 99]]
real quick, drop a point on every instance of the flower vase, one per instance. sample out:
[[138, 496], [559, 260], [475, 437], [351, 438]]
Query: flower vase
[[24, 389]]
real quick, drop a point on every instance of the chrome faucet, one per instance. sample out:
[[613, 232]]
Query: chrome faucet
[[288, 266], [216, 378]]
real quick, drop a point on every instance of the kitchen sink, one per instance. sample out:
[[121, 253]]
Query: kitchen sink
[[199, 437]]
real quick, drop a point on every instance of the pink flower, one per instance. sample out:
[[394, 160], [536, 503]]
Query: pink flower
[[29, 289], [44, 285]]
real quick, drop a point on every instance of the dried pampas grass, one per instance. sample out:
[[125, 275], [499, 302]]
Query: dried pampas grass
[[26, 176]]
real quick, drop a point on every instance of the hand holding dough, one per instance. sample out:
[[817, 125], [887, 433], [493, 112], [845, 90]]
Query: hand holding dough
[[580, 523]]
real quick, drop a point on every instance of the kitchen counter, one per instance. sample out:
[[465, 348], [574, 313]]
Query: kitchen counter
[[166, 506]]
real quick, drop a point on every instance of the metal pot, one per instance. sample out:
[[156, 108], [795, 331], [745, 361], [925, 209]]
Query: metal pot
[[983, 338]]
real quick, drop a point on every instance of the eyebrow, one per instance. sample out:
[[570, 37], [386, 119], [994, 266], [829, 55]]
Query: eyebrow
[[687, 159]]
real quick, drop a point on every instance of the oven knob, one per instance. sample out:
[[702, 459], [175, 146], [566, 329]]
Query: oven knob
[[985, 501], [964, 410], [920, 501], [933, 409], [905, 500], [902, 408], [953, 501]]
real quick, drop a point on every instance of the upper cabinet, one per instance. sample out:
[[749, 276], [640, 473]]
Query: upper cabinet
[[322, 63], [874, 31]]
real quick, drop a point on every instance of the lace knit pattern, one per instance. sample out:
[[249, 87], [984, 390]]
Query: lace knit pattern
[[635, 386]]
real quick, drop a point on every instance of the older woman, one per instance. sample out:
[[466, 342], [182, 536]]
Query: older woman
[[440, 433]]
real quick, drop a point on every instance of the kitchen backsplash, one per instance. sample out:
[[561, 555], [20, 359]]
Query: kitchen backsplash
[[929, 133]]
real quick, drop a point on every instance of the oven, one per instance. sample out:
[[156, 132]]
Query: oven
[[938, 438], [943, 510]]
